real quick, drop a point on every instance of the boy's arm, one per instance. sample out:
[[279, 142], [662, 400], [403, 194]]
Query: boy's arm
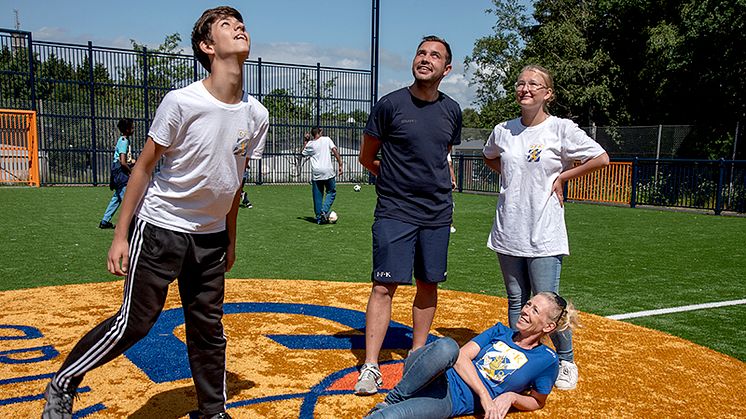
[[339, 160], [123, 162], [118, 258], [230, 226]]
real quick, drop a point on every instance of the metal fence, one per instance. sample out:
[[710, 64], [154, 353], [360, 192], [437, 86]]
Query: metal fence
[[650, 141], [80, 91], [715, 185]]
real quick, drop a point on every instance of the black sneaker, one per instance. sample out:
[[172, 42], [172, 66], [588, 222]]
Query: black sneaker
[[105, 225], [198, 415], [59, 403]]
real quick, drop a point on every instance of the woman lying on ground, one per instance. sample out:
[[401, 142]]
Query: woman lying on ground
[[499, 369]]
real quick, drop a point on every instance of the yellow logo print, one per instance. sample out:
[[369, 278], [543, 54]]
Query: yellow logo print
[[534, 151]]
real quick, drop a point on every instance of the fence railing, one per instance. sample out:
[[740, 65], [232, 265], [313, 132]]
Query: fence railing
[[715, 185], [294, 168], [612, 184], [80, 91]]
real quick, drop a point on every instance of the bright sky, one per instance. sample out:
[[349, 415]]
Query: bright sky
[[332, 32]]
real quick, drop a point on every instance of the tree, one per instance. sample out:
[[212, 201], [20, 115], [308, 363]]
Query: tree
[[471, 118], [496, 58], [622, 62]]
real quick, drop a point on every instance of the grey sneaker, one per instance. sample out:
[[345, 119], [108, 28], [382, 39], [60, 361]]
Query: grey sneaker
[[567, 379], [59, 403], [369, 381]]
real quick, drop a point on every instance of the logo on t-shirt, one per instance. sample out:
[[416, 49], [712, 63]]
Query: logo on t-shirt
[[242, 143], [534, 150], [500, 361]]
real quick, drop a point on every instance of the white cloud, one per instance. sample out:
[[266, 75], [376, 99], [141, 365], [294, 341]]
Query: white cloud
[[56, 34]]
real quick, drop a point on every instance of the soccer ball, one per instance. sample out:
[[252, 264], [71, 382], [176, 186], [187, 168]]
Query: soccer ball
[[332, 217], [357, 188]]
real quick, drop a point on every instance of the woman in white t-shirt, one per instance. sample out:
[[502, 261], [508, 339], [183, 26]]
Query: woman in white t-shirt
[[534, 155]]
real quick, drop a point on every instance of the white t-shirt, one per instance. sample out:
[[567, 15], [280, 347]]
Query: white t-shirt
[[529, 221], [207, 143], [320, 151]]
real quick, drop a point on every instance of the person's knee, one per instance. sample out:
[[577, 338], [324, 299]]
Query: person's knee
[[447, 349], [383, 291]]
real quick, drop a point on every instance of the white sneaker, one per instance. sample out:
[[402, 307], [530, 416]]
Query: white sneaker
[[369, 381], [568, 376], [453, 229]]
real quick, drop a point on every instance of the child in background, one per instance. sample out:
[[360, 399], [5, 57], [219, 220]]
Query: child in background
[[121, 167]]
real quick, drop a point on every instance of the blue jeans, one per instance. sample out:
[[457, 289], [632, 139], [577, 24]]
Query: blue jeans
[[525, 277], [317, 188], [116, 200], [423, 389]]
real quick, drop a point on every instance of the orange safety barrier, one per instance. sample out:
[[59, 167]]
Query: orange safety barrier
[[19, 148], [612, 184]]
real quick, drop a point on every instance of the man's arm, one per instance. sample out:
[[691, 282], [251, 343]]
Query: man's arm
[[339, 160], [118, 258], [369, 152], [450, 168]]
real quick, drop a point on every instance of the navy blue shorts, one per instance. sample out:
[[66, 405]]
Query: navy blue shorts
[[400, 249]]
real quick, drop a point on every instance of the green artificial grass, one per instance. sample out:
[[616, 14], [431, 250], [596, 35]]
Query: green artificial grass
[[622, 260]]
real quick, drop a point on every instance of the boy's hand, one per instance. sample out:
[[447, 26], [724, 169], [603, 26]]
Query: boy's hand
[[118, 258], [230, 257]]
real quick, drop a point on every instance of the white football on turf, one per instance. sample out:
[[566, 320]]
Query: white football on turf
[[332, 217], [356, 188]]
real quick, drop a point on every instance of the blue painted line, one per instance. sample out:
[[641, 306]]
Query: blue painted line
[[89, 411], [28, 332], [26, 379]]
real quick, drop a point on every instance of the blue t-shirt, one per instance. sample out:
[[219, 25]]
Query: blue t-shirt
[[503, 366], [123, 145], [414, 182]]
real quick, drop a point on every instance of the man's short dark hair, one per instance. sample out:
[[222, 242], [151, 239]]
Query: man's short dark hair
[[433, 38], [315, 131], [125, 124], [201, 30]]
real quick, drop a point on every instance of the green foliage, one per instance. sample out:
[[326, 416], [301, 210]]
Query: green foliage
[[471, 118], [623, 62]]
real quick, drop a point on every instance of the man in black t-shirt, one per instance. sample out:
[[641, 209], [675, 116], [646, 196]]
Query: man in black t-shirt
[[414, 129]]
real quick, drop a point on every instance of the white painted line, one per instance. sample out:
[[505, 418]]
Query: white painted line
[[693, 307]]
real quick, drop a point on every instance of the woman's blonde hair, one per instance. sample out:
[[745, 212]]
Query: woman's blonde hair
[[548, 80], [564, 318]]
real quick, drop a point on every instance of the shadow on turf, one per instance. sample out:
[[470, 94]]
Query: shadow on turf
[[309, 219], [178, 402], [398, 340]]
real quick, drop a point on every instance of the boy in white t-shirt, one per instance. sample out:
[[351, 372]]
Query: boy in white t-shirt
[[323, 173], [181, 220]]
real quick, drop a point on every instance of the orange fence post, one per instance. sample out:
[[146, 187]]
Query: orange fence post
[[611, 184], [19, 148]]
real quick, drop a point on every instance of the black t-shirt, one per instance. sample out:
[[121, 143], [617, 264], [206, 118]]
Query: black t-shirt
[[414, 182]]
